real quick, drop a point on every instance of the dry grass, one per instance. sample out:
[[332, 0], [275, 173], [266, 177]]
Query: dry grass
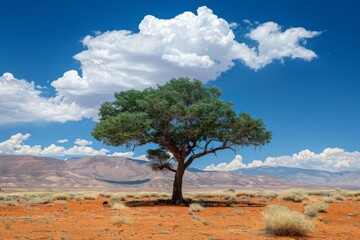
[[61, 196], [280, 221], [245, 194], [329, 200], [295, 195], [91, 196], [118, 197], [119, 220], [79, 198], [118, 205], [38, 200], [315, 208], [266, 194], [195, 207]]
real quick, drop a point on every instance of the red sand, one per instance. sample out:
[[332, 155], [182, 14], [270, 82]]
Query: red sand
[[88, 219]]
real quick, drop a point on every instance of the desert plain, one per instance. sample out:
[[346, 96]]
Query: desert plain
[[230, 214]]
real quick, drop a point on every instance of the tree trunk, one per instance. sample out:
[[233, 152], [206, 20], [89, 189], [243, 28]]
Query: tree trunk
[[177, 197]]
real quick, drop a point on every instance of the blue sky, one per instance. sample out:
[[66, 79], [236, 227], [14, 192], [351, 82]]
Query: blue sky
[[308, 94]]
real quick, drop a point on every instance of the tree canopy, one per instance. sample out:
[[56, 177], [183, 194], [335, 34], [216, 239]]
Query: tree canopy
[[186, 119]]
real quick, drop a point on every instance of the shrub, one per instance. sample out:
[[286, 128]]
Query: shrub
[[321, 193], [79, 197], [315, 208], [245, 193], [339, 198], [195, 207], [118, 197], [329, 200], [10, 203], [293, 195], [280, 221], [118, 221], [265, 194], [61, 196], [91, 196], [38, 200], [105, 194], [118, 205]]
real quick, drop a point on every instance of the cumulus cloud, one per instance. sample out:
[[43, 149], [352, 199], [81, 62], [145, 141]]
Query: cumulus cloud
[[122, 154], [21, 101], [331, 159], [130, 154], [82, 142], [15, 146], [62, 140], [200, 46], [237, 163]]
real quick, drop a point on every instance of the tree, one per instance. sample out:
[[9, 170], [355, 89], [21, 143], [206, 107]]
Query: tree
[[185, 119]]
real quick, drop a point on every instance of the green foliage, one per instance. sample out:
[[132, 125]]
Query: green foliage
[[182, 116], [185, 119]]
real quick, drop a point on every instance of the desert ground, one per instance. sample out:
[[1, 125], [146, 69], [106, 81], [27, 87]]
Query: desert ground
[[226, 215]]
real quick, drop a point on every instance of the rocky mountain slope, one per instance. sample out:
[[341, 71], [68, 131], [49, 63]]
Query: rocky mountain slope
[[344, 179], [117, 173]]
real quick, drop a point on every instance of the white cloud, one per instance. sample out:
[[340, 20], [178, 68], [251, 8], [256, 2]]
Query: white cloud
[[200, 46], [62, 140], [21, 101], [15, 146], [82, 142], [276, 45], [122, 154], [84, 150], [142, 157], [233, 165], [331, 159]]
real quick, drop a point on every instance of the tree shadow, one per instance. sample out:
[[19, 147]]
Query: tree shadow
[[204, 203]]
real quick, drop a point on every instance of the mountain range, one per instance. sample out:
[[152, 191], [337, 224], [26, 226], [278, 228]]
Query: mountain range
[[128, 174]]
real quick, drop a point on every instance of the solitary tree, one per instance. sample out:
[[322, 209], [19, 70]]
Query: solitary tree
[[185, 119]]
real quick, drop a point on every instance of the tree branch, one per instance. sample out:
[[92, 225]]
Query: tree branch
[[206, 151]]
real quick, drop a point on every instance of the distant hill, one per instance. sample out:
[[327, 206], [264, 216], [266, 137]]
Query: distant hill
[[118, 173], [31, 171], [343, 179]]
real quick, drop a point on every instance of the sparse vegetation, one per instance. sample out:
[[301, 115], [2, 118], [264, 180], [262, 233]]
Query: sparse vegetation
[[295, 195], [91, 196], [118, 197], [79, 198], [119, 220], [245, 193], [315, 208], [38, 200], [118, 205], [196, 207], [61, 196], [280, 221], [329, 200], [265, 194]]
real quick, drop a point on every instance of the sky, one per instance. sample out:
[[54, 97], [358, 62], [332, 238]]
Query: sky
[[294, 65]]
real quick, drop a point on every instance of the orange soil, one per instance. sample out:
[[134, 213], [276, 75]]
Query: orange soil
[[88, 219]]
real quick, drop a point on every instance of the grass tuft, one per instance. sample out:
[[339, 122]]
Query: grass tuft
[[315, 208], [118, 221], [294, 195], [280, 221], [91, 196], [195, 207], [118, 205]]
